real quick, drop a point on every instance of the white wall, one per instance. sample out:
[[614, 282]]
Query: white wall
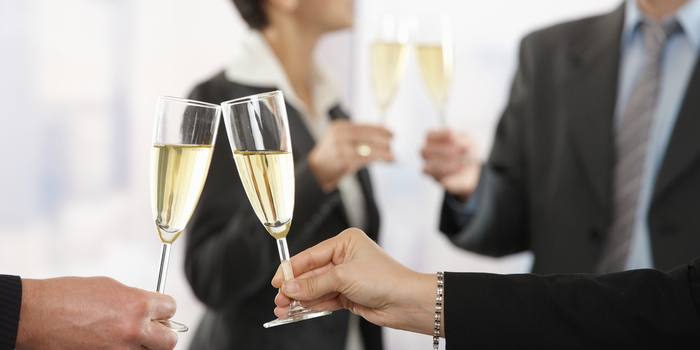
[[78, 83]]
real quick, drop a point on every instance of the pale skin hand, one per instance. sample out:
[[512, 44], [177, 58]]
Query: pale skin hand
[[350, 271], [451, 158], [92, 313], [335, 157]]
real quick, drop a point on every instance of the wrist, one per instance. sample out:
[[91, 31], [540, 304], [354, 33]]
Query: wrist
[[326, 184], [28, 333], [438, 329], [419, 313]]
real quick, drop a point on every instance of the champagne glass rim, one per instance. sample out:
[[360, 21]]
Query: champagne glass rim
[[189, 101], [249, 98]]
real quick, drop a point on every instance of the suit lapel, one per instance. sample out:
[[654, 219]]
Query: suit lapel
[[590, 95], [684, 146]]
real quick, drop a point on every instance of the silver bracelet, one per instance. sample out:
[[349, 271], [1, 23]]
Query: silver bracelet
[[438, 309]]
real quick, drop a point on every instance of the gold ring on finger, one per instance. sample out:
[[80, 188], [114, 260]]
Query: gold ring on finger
[[363, 150]]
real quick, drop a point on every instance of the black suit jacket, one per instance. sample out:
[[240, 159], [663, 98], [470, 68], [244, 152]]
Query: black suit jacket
[[547, 184], [10, 302], [231, 258], [639, 309]]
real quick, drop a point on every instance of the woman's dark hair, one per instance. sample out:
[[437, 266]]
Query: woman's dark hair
[[252, 12]]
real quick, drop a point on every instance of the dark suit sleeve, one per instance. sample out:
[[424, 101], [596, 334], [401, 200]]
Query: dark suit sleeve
[[499, 226], [639, 309], [10, 303]]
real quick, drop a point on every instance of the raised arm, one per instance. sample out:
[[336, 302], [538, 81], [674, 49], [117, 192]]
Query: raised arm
[[641, 309]]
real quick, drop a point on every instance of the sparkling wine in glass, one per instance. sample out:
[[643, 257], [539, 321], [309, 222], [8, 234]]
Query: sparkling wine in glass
[[183, 143], [388, 52], [258, 132], [436, 58]]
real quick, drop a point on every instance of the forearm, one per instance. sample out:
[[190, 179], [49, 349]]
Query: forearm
[[30, 328], [499, 225], [417, 308]]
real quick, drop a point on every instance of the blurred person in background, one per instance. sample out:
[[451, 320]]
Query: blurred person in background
[[595, 165], [230, 257], [82, 313]]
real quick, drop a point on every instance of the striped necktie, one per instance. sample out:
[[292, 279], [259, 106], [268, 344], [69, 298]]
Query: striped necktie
[[631, 147]]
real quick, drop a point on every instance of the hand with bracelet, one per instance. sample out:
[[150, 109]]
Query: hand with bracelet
[[640, 309], [351, 271]]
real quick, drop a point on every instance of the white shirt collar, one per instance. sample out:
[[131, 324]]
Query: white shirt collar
[[256, 64]]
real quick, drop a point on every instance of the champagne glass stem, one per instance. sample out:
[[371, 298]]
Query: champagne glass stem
[[163, 272], [441, 118], [287, 268], [160, 287]]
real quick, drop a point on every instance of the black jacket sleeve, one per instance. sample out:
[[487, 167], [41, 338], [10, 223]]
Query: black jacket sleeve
[[499, 225], [10, 303], [639, 309]]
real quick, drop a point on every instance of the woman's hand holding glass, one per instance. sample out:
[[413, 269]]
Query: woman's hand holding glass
[[346, 148], [350, 271]]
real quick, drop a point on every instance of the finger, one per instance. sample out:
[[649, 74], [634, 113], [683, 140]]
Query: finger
[[315, 272], [157, 336], [331, 304], [281, 311], [441, 168], [442, 151], [328, 251], [162, 307], [439, 136], [311, 288], [278, 278], [380, 149], [371, 131], [283, 301]]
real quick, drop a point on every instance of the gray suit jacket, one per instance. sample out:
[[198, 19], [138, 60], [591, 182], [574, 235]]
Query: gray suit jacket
[[547, 184], [230, 258]]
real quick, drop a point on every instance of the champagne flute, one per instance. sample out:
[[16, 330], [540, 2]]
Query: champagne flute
[[436, 59], [389, 51], [258, 132], [183, 143]]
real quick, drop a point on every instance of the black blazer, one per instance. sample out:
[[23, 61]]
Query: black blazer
[[230, 257], [10, 302], [639, 309], [547, 184]]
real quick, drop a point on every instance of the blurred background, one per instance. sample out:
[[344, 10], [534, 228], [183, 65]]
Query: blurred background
[[78, 86]]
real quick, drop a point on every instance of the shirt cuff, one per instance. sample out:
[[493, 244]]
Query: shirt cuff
[[463, 212]]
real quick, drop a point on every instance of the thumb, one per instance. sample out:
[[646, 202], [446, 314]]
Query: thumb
[[310, 288]]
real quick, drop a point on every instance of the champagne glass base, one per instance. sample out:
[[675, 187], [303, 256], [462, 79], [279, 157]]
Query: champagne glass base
[[175, 326], [297, 315]]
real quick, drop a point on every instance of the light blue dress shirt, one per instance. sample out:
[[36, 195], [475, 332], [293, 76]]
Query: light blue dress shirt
[[677, 64]]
